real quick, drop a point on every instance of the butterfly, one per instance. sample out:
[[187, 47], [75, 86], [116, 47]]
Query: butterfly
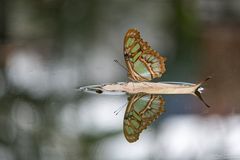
[[141, 111], [145, 103], [143, 63]]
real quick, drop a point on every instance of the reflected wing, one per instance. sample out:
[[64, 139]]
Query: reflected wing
[[141, 111], [142, 61]]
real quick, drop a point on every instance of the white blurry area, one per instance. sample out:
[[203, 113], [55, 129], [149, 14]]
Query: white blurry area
[[194, 137], [26, 71], [181, 137], [94, 115], [29, 71]]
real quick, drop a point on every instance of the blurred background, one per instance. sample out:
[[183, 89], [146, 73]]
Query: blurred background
[[50, 47]]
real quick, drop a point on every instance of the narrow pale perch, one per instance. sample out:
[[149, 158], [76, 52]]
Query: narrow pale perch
[[149, 88], [152, 88]]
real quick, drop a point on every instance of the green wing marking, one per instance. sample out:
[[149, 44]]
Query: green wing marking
[[143, 62], [141, 111]]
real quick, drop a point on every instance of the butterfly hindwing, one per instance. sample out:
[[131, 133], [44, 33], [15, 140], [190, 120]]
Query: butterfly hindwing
[[141, 111], [143, 62]]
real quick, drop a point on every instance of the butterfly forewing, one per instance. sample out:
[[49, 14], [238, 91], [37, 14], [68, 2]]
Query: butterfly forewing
[[141, 111], [143, 62]]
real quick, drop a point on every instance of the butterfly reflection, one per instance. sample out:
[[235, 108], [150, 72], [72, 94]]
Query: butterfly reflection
[[142, 110]]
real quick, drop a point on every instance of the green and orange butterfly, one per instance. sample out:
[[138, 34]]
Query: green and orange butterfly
[[143, 64]]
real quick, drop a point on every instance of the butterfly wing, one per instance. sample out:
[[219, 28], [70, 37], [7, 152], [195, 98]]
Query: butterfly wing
[[141, 111], [143, 63]]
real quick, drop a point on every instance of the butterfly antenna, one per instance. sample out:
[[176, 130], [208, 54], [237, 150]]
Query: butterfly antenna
[[119, 109], [116, 61]]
